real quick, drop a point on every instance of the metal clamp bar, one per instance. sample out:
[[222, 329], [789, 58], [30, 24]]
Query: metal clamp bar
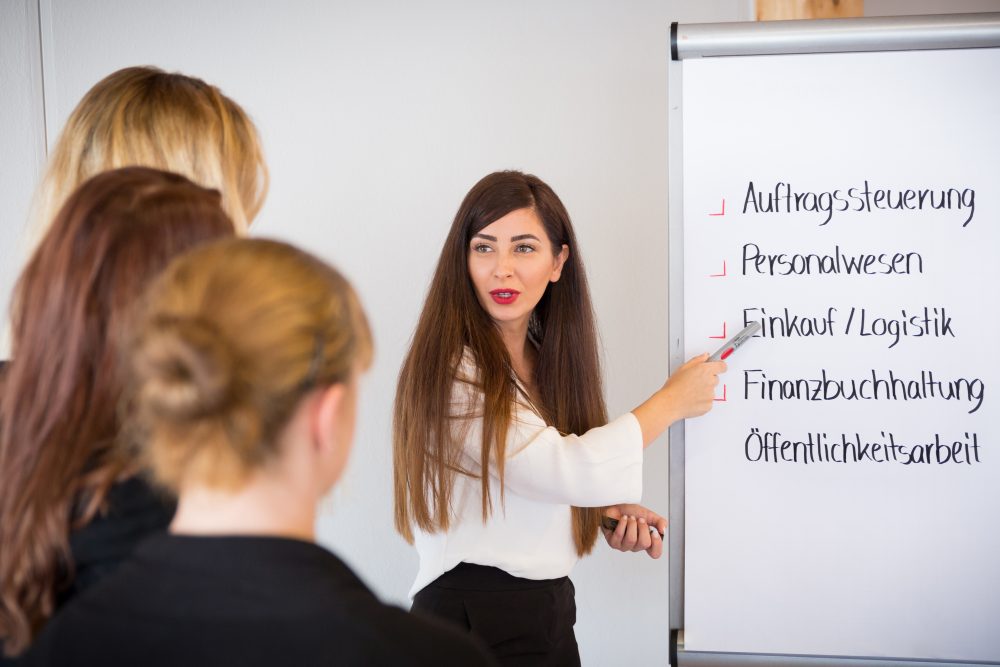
[[893, 33]]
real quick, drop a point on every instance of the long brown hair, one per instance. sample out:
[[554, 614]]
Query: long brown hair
[[58, 408], [425, 455]]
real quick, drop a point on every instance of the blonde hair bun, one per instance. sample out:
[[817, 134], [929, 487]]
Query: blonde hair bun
[[189, 369], [231, 337]]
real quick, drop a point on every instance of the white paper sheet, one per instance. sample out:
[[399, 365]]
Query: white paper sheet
[[875, 557]]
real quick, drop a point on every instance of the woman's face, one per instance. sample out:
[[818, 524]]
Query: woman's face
[[511, 262]]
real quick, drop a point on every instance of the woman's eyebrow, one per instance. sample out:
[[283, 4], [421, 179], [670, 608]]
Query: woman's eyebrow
[[521, 237], [485, 236]]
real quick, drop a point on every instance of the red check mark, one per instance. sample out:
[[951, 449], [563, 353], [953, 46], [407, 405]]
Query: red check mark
[[720, 275], [723, 336], [722, 212], [723, 399]]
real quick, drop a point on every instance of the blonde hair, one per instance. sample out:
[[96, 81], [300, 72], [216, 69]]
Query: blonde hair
[[143, 116], [233, 335]]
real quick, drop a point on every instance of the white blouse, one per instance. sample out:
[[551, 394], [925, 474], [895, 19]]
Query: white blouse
[[530, 533]]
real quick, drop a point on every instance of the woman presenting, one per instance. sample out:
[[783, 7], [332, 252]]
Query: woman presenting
[[504, 455]]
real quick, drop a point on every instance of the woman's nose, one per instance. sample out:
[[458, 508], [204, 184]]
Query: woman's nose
[[504, 267]]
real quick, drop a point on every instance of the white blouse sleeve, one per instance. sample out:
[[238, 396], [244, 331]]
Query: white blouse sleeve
[[600, 467]]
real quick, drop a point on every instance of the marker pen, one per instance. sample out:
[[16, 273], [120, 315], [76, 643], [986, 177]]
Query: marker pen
[[735, 342], [610, 524]]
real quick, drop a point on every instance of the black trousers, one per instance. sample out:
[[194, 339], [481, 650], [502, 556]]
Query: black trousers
[[524, 621]]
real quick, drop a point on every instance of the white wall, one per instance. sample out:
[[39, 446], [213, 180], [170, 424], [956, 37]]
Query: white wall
[[377, 117], [22, 138]]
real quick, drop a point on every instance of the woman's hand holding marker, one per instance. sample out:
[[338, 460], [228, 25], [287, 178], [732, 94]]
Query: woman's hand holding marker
[[638, 529], [687, 393]]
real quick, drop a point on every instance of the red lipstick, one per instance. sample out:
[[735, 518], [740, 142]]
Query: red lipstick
[[505, 296]]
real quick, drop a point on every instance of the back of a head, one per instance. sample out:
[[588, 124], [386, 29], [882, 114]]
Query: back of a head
[[61, 393], [142, 116], [233, 335]]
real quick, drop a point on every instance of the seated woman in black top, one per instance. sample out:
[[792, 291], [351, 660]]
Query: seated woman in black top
[[244, 374], [71, 506]]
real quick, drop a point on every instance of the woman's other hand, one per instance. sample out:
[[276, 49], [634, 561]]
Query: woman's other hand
[[638, 529]]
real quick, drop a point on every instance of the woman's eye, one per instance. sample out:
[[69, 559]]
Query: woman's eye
[[525, 248], [481, 248]]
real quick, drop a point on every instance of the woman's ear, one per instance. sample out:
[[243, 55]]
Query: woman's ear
[[560, 261], [333, 428], [326, 415]]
